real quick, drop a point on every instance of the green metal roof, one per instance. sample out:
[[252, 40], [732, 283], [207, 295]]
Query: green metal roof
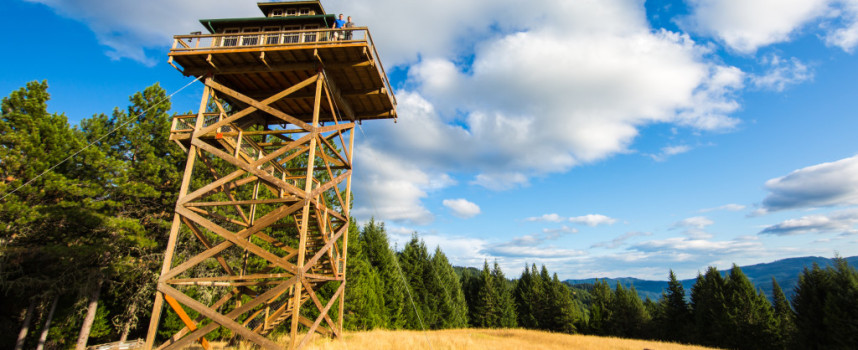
[[214, 24]]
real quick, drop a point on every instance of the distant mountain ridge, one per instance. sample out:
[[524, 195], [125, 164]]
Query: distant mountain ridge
[[786, 271]]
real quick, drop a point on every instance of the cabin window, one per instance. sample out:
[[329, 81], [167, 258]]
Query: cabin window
[[291, 37], [310, 36], [277, 13], [304, 11], [230, 40], [250, 40], [291, 12], [273, 38]]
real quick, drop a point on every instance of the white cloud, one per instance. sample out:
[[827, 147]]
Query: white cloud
[[727, 207], [746, 25], [699, 246], [547, 217], [821, 185], [837, 222], [846, 36], [462, 208], [392, 191], [519, 251], [781, 73], [128, 28], [668, 151], [552, 84], [593, 220], [694, 227], [562, 229]]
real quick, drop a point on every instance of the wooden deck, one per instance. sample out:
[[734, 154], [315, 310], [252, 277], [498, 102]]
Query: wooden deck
[[260, 65]]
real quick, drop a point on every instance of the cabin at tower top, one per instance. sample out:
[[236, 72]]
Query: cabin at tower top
[[293, 40], [278, 16]]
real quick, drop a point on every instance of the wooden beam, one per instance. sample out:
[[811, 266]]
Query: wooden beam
[[280, 67], [186, 320]]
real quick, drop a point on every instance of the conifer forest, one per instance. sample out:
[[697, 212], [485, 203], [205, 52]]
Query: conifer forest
[[81, 247]]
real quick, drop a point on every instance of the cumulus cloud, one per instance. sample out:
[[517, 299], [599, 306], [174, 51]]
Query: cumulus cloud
[[836, 222], [781, 73], [462, 208], [129, 28], [547, 85], [746, 25], [694, 227], [593, 220], [845, 36], [393, 191], [821, 185], [619, 241]]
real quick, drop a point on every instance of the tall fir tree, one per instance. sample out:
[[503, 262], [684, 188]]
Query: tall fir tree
[[364, 304], [600, 308], [673, 322], [527, 293], [381, 257], [751, 323], [485, 312], [414, 263], [841, 306], [811, 294], [452, 306], [709, 308], [628, 316], [784, 318], [506, 304]]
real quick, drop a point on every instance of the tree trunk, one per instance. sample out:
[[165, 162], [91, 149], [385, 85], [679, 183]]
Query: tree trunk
[[22, 336], [44, 337], [127, 327], [90, 317]]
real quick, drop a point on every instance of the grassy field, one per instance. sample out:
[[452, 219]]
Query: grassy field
[[488, 339]]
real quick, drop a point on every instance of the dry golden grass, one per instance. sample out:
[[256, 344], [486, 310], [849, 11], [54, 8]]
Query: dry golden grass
[[488, 339]]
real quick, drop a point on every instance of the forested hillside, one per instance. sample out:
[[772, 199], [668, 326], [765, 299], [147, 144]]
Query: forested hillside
[[785, 271], [86, 238]]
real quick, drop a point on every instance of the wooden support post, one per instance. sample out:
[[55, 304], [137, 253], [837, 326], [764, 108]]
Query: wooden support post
[[174, 228]]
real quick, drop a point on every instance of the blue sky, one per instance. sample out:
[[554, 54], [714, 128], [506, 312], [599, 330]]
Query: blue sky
[[602, 138]]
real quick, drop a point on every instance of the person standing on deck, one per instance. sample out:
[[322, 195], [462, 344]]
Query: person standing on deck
[[349, 24], [339, 23]]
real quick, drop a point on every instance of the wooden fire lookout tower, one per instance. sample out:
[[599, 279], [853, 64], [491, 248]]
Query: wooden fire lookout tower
[[259, 236]]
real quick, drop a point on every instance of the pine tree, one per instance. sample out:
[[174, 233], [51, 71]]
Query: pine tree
[[563, 312], [364, 304], [382, 259], [485, 312], [600, 308], [841, 306], [750, 316], [709, 308], [526, 294], [506, 304], [415, 264], [452, 307], [784, 318], [811, 294], [675, 318], [628, 315], [54, 228]]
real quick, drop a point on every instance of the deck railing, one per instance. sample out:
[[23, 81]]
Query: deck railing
[[261, 40]]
